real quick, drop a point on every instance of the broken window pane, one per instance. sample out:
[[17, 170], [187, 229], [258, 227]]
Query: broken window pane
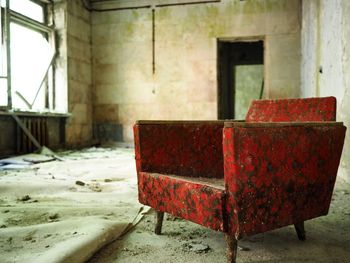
[[28, 8], [31, 55]]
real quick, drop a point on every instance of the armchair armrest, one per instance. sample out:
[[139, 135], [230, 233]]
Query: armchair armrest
[[186, 148], [277, 174]]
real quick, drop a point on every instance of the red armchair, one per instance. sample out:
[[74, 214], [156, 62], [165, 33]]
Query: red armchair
[[242, 178]]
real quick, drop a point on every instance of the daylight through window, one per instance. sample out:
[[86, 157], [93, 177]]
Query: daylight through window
[[27, 56]]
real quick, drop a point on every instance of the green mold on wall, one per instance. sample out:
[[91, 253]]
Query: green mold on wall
[[186, 50], [212, 11], [163, 13], [135, 14], [129, 30], [276, 5], [253, 7]]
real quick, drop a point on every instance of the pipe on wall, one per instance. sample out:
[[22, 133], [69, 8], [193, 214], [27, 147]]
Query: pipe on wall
[[91, 9], [189, 3], [86, 6]]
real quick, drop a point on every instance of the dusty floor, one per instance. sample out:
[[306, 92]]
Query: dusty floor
[[66, 222], [64, 211], [328, 241]]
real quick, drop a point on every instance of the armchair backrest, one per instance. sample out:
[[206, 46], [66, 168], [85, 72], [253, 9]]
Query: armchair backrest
[[292, 110], [187, 148]]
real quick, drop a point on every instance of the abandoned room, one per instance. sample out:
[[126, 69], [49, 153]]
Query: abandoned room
[[174, 131]]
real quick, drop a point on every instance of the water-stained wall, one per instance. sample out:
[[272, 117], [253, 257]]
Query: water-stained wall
[[344, 108], [182, 82], [79, 77]]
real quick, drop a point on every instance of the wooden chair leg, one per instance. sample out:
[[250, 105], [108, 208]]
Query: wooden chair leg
[[299, 227], [231, 250], [159, 223]]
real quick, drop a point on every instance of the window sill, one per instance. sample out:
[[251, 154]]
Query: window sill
[[34, 114]]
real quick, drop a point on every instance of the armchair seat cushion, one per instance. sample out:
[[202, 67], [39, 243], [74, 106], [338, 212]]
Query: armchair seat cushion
[[198, 199]]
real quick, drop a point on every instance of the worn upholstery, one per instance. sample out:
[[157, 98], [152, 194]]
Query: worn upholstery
[[277, 168]]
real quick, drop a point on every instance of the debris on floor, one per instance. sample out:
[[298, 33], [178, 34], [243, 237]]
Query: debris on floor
[[196, 247], [24, 161], [80, 183], [24, 198], [49, 213], [184, 241], [64, 211]]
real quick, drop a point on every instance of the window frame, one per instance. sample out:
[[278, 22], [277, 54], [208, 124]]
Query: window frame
[[46, 28]]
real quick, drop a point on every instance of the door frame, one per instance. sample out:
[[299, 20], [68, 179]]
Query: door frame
[[225, 107]]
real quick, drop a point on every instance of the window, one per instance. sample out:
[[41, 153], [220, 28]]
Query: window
[[3, 58], [27, 56], [28, 8]]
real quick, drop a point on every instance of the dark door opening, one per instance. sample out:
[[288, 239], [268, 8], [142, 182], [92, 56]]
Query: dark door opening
[[240, 77]]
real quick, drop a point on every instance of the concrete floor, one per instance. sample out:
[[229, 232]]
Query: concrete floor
[[328, 241], [328, 237], [64, 211]]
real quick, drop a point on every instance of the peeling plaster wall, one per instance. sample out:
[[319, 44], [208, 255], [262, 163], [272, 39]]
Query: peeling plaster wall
[[322, 49], [184, 85], [310, 48], [79, 125], [331, 79], [325, 59], [61, 61], [344, 108]]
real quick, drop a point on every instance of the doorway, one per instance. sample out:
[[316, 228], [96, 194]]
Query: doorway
[[240, 77]]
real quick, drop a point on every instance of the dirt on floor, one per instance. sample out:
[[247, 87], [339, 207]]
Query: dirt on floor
[[64, 211], [77, 210], [328, 241]]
